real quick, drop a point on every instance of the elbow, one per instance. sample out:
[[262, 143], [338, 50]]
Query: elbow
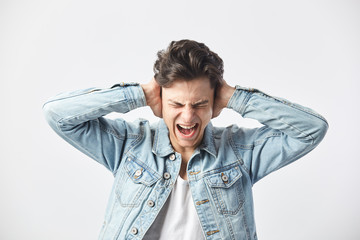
[[50, 115], [321, 130]]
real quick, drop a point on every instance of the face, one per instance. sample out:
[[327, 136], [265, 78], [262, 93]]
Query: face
[[187, 108]]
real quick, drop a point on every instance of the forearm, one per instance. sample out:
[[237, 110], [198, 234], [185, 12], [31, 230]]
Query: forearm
[[83, 105], [296, 121]]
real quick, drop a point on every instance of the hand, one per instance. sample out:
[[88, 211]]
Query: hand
[[152, 92], [223, 95]]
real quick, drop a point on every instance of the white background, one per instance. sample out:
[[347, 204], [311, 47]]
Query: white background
[[306, 51]]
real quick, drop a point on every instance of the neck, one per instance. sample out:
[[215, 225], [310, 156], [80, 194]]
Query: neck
[[186, 154], [185, 157]]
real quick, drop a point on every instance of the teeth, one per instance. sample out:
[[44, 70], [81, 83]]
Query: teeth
[[187, 127]]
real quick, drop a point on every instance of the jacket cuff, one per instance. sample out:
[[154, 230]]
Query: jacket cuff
[[240, 98], [134, 94]]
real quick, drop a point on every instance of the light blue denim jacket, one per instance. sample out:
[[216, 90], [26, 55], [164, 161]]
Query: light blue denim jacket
[[221, 171]]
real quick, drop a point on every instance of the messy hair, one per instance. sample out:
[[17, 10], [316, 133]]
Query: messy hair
[[187, 60]]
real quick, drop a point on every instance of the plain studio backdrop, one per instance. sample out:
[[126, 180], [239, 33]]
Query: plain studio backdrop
[[305, 51]]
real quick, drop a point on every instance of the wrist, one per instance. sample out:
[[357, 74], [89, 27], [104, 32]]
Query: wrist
[[227, 93], [147, 92]]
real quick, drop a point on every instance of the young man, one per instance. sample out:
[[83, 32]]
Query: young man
[[182, 178]]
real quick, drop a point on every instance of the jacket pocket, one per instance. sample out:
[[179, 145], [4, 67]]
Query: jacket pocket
[[226, 190], [134, 183]]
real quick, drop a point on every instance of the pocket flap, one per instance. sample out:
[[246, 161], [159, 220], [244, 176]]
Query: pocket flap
[[140, 174], [225, 177]]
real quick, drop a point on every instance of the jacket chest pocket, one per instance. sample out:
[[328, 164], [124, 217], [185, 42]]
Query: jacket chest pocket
[[226, 190], [134, 183]]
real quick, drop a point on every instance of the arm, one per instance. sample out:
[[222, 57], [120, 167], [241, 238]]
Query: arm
[[290, 131], [77, 118]]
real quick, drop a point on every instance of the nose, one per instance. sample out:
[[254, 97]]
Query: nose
[[188, 114]]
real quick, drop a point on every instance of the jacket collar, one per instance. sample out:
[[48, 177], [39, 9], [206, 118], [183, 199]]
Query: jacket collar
[[162, 146]]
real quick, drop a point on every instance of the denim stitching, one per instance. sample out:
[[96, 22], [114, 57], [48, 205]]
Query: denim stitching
[[217, 195], [245, 224]]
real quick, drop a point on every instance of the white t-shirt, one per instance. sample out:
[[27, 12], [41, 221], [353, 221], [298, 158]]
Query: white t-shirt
[[178, 219]]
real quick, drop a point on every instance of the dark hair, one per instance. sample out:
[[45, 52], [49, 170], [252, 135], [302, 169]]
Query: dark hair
[[187, 60]]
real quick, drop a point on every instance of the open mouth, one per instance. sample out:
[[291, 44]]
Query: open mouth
[[187, 131]]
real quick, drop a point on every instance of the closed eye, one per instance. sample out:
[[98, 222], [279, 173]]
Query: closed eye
[[200, 104], [176, 104]]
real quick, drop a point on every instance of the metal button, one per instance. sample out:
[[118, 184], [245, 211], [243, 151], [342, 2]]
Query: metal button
[[134, 230], [129, 159], [172, 157], [138, 173], [150, 203], [167, 175], [224, 178]]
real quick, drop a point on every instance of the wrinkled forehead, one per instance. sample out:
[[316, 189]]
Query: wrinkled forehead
[[193, 90]]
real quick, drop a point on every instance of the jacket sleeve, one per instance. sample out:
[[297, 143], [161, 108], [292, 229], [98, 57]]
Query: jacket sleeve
[[78, 118], [290, 131]]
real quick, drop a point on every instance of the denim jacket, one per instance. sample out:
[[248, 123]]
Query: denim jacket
[[221, 171]]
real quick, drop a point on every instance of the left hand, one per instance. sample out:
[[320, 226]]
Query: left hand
[[223, 95]]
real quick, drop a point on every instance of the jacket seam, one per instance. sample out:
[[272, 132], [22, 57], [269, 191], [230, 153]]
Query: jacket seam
[[72, 96], [237, 154]]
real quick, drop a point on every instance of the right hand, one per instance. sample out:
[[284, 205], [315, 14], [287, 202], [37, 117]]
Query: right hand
[[152, 92]]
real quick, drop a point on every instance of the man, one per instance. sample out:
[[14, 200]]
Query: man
[[182, 178]]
